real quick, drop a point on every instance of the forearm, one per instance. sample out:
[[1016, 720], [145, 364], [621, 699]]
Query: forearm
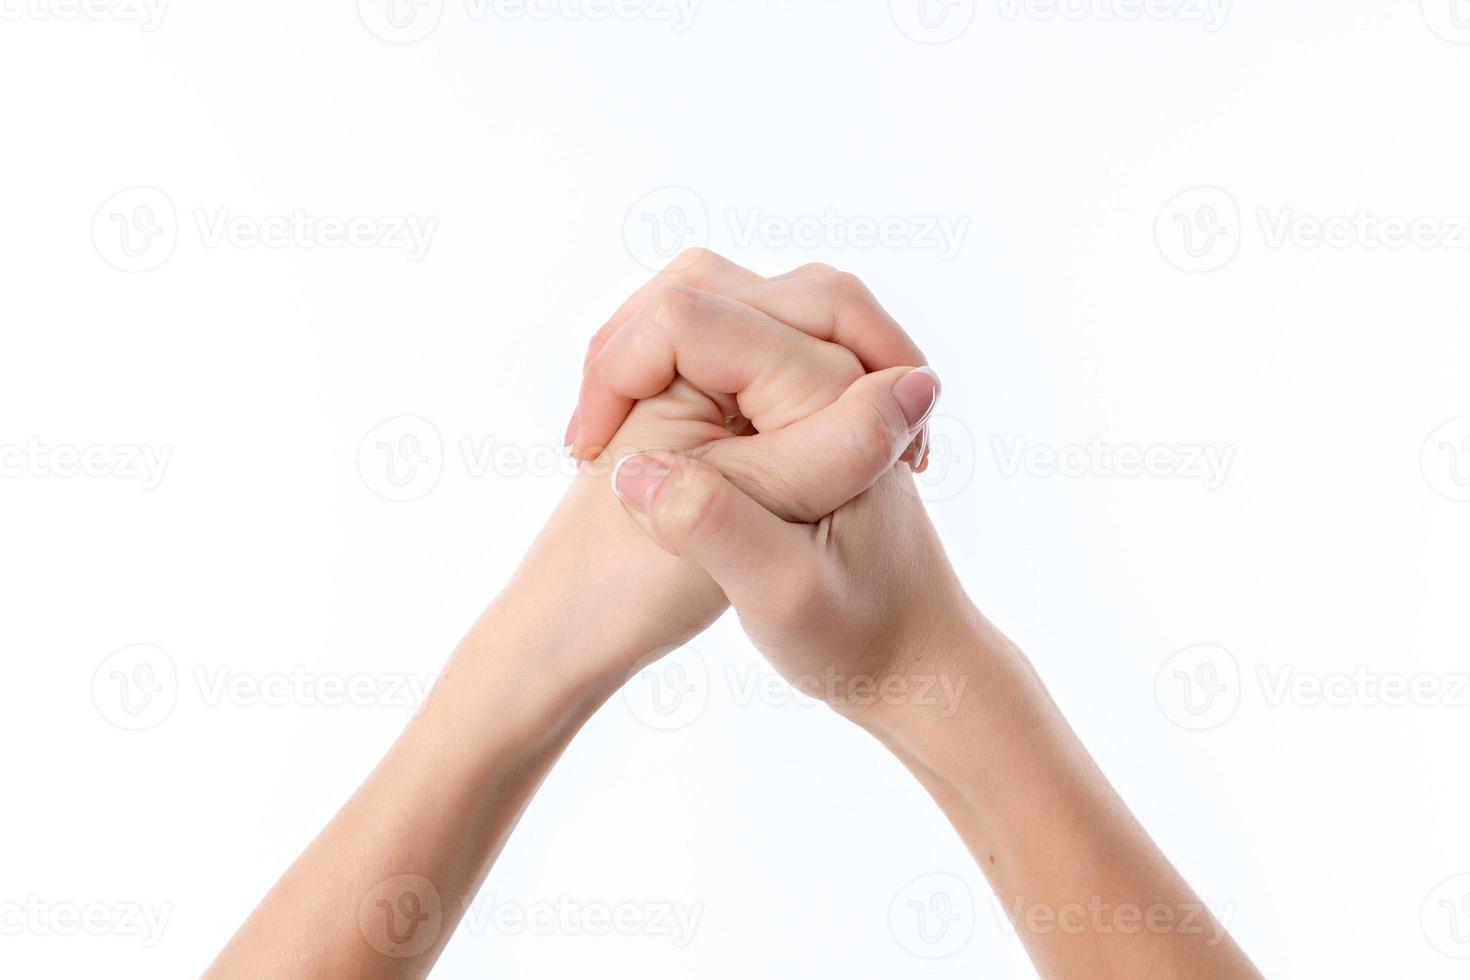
[[380, 890], [1087, 890]]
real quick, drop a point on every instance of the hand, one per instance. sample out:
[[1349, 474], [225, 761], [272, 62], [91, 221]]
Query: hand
[[862, 608], [710, 367], [830, 582], [853, 608], [593, 599], [814, 298]]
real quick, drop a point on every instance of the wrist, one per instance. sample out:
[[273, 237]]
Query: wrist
[[603, 590], [959, 673], [519, 684]]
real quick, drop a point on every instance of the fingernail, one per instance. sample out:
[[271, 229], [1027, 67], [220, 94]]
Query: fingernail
[[571, 428], [921, 446], [917, 393], [636, 479]]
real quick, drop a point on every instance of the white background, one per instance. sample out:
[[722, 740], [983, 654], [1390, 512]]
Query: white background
[[1327, 829]]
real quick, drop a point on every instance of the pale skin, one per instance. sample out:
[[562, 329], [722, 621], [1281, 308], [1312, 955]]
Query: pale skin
[[758, 436]]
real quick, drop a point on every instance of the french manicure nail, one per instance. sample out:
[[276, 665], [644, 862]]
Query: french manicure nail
[[917, 393], [637, 478], [571, 428], [921, 446]]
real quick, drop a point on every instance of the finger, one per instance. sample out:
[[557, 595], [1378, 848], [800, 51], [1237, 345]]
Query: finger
[[815, 298], [837, 307], [807, 470], [777, 374], [697, 267], [760, 561]]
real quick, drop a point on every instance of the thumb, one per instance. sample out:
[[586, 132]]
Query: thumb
[[690, 509], [808, 469]]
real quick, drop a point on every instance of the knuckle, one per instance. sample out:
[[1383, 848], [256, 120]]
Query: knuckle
[[871, 434], [847, 370], [695, 508], [848, 288], [672, 305], [694, 262]]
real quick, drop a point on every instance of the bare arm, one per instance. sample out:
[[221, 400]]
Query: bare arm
[[380, 890], [1087, 890], [863, 601]]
